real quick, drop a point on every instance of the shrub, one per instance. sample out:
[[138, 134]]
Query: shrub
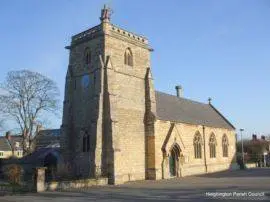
[[13, 173]]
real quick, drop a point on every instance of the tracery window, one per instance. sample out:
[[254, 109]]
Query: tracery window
[[225, 144], [128, 57], [212, 146], [197, 142]]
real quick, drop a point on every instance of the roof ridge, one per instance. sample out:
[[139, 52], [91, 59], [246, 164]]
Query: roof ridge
[[181, 98], [50, 129], [173, 108]]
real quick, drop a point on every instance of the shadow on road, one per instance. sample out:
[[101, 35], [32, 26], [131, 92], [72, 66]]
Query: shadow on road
[[253, 172], [188, 189], [136, 194]]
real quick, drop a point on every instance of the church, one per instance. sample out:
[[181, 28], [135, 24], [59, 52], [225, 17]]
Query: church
[[117, 125]]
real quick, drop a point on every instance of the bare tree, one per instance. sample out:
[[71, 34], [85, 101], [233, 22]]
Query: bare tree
[[27, 96], [1, 125]]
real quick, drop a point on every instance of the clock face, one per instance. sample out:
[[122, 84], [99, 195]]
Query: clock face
[[85, 81]]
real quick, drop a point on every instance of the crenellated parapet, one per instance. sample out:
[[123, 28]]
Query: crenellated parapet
[[86, 35], [125, 33]]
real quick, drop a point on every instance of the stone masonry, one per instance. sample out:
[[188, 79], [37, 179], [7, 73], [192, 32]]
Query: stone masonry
[[115, 105]]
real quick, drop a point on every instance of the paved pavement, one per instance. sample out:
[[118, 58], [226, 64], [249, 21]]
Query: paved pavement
[[225, 186]]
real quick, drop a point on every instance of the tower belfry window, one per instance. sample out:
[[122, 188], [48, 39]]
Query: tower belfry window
[[128, 57], [87, 56]]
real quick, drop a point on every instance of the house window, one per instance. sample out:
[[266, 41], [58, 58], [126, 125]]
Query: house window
[[197, 146], [17, 144], [225, 145], [128, 57], [86, 142], [212, 146], [87, 56]]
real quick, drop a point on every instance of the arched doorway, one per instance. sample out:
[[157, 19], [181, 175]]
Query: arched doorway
[[50, 161], [174, 160]]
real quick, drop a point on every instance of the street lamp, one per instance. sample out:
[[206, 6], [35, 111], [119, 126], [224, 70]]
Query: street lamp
[[241, 130]]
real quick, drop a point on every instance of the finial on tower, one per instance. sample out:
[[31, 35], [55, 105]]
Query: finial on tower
[[105, 14]]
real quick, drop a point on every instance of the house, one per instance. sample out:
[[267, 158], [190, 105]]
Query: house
[[11, 146]]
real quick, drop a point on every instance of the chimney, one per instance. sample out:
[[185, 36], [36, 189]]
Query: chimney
[[38, 128], [179, 91], [263, 137], [8, 135], [254, 137]]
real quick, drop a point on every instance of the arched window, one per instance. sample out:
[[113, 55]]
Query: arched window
[[86, 142], [225, 144], [87, 56], [212, 146], [128, 57], [197, 146]]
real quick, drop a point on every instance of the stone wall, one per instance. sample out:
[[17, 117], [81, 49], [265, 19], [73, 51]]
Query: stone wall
[[126, 99], [167, 134], [82, 104], [75, 184], [251, 165]]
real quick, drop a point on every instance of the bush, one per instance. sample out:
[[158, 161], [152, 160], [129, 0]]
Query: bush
[[13, 173]]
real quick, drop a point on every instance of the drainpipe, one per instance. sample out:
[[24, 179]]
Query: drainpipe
[[204, 149]]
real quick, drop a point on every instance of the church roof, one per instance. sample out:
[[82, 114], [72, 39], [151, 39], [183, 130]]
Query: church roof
[[47, 138], [173, 108]]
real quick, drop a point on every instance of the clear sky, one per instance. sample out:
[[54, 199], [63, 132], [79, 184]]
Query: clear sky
[[218, 48]]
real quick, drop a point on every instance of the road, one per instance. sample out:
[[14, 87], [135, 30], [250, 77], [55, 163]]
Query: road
[[225, 186]]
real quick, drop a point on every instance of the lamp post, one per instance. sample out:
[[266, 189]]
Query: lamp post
[[241, 130]]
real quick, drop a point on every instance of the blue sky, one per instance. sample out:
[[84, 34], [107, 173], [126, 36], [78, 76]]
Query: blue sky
[[218, 49]]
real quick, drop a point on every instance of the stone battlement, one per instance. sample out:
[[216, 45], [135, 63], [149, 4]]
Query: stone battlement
[[86, 33], [115, 29], [131, 35]]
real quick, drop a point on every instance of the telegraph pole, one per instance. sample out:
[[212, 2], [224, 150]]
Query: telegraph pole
[[243, 156]]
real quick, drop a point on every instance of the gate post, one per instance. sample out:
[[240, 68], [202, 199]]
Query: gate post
[[40, 179]]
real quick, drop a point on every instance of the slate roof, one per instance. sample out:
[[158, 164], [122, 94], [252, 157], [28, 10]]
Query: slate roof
[[53, 132], [4, 144], [38, 155], [17, 138], [48, 138], [173, 108]]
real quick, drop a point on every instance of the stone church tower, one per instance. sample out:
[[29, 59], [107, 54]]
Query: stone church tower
[[109, 104]]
